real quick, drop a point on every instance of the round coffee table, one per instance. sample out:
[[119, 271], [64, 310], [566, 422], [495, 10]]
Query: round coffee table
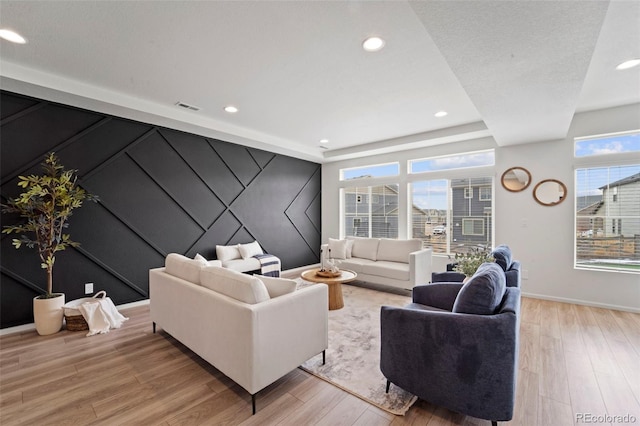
[[335, 284]]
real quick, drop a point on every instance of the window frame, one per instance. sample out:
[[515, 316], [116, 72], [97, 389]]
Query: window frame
[[372, 166], [480, 197], [473, 220], [606, 161]]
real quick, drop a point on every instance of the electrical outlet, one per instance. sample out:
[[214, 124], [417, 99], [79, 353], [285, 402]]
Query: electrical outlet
[[88, 288]]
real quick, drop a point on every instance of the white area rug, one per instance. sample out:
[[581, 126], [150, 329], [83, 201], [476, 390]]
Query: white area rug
[[353, 356]]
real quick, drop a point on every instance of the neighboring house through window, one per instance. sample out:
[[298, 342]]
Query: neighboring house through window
[[608, 203]]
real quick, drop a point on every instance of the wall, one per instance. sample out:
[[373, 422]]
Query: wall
[[160, 190], [540, 237]]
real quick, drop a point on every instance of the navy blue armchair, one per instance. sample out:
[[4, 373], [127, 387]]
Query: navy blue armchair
[[456, 345]]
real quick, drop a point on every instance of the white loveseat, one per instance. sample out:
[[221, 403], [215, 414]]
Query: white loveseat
[[397, 263], [253, 329]]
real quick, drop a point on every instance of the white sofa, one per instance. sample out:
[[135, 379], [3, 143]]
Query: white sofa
[[253, 329], [239, 257], [397, 263]]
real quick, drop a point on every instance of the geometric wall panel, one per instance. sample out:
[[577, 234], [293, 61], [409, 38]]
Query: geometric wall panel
[[161, 191]]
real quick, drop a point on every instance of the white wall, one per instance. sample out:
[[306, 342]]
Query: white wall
[[542, 238]]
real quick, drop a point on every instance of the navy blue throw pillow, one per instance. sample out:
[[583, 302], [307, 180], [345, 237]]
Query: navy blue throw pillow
[[502, 255], [483, 293]]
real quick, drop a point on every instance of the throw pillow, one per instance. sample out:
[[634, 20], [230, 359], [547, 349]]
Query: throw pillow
[[365, 248], [277, 286], [349, 248], [337, 249], [250, 250], [242, 287], [483, 293], [183, 267], [502, 255], [224, 253], [200, 258]]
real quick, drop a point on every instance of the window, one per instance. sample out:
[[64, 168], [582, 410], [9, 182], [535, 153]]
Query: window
[[472, 226], [371, 211], [381, 170], [607, 197], [446, 218], [608, 144], [458, 161], [485, 193]]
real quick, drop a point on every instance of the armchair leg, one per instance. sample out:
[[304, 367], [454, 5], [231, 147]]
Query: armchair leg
[[253, 403], [154, 327], [324, 359], [388, 386], [493, 423]]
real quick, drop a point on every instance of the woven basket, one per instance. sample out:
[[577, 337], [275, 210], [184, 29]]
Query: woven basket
[[72, 315]]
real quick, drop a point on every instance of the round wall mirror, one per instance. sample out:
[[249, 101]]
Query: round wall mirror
[[516, 179], [550, 192]]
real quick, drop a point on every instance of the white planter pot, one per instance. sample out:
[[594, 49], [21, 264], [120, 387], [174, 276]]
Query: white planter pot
[[48, 314]]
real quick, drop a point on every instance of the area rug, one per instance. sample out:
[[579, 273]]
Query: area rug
[[353, 356]]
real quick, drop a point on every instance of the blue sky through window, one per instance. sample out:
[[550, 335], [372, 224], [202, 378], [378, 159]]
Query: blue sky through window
[[430, 194], [612, 144], [458, 161], [381, 170]]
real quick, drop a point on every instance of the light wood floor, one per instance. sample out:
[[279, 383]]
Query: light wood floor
[[573, 359]]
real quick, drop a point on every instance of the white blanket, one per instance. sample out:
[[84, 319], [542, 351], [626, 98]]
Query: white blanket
[[101, 316]]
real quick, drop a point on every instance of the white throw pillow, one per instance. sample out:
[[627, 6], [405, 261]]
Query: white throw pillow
[[227, 253], [337, 249], [182, 267], [200, 258], [277, 286], [349, 248], [365, 248], [250, 250], [242, 287]]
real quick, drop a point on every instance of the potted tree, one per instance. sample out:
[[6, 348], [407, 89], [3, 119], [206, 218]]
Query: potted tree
[[44, 208]]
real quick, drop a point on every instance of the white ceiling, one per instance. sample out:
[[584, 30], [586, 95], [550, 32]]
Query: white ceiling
[[516, 71]]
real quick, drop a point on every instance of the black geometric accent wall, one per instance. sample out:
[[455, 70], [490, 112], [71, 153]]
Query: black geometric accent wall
[[161, 191]]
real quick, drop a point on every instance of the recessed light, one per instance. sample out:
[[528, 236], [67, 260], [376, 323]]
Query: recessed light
[[628, 64], [12, 36], [373, 44], [441, 114], [324, 140], [231, 109]]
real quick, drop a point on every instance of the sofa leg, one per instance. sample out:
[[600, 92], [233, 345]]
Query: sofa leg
[[253, 403], [324, 359], [493, 423], [388, 386], [154, 327]]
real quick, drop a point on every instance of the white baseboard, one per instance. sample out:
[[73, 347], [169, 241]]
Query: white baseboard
[[582, 302], [32, 326], [17, 329]]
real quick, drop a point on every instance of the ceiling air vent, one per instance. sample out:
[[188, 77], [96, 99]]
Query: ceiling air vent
[[187, 106], [323, 147]]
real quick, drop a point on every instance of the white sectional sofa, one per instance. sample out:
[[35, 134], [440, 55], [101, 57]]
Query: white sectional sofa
[[397, 263], [253, 329]]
